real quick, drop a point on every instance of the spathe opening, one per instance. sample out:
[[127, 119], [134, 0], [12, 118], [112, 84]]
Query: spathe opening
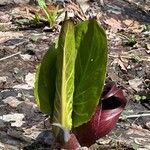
[[111, 103]]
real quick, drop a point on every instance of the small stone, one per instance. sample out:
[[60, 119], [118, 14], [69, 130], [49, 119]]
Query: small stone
[[12, 101], [6, 93], [135, 83], [46, 137], [32, 132], [30, 79], [31, 46], [5, 18], [23, 86], [103, 141], [27, 108], [148, 125], [25, 57], [148, 46], [15, 119], [2, 145], [3, 80]]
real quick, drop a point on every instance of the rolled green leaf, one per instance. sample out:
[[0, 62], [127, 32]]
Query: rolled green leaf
[[90, 70], [63, 104], [44, 89]]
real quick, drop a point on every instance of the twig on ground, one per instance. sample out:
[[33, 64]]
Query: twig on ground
[[7, 57], [136, 116], [129, 57]]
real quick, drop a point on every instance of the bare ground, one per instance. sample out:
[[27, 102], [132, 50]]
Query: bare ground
[[23, 126]]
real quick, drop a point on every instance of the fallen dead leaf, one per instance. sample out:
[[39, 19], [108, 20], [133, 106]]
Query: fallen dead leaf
[[4, 36], [4, 17], [138, 130], [135, 83], [133, 25], [16, 119], [12, 101], [128, 22], [114, 24], [23, 12], [120, 63]]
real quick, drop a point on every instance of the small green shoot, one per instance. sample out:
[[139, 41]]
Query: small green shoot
[[131, 41], [22, 22], [135, 146], [36, 19], [34, 38], [124, 117], [139, 98], [147, 27], [49, 14]]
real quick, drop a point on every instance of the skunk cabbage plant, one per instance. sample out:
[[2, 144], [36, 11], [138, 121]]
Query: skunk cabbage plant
[[69, 83]]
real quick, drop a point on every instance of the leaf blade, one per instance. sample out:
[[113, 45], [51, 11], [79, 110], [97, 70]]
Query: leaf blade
[[44, 89], [41, 3], [90, 69], [65, 76]]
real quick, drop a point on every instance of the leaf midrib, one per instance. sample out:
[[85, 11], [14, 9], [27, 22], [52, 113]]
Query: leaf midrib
[[64, 85]]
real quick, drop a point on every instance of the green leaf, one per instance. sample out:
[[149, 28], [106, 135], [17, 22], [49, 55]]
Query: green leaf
[[50, 15], [63, 104], [90, 70], [41, 3], [44, 90]]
